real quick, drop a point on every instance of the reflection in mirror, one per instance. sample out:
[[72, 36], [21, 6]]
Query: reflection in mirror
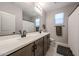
[[7, 23], [30, 23], [37, 23], [28, 26]]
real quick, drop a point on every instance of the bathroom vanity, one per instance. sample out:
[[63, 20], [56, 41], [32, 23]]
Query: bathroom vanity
[[34, 44]]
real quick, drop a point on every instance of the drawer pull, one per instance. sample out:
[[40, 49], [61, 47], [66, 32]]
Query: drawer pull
[[35, 46]]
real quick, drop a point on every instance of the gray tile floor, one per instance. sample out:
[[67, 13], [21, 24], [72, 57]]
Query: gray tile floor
[[52, 50]]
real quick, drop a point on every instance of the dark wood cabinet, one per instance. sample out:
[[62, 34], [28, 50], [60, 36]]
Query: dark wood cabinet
[[30, 50], [46, 43], [39, 47], [25, 51]]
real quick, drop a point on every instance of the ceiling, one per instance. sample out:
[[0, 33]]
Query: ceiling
[[28, 7], [49, 6]]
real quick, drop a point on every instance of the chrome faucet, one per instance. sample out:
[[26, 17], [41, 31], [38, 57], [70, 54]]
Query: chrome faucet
[[23, 33], [40, 31]]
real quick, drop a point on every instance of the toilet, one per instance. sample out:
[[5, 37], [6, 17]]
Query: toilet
[[52, 42]]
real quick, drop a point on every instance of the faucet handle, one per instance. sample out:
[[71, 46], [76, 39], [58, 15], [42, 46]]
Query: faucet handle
[[20, 31], [40, 31], [24, 33]]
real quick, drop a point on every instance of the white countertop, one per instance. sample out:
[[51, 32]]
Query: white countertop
[[9, 44]]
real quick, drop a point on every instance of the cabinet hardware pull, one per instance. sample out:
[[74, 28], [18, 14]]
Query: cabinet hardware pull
[[35, 46]]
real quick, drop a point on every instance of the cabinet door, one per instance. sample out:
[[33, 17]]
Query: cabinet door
[[45, 45], [48, 41], [26, 51], [39, 47], [30, 50], [0, 24], [20, 52]]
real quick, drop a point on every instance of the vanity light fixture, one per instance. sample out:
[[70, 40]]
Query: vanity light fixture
[[38, 8], [42, 4]]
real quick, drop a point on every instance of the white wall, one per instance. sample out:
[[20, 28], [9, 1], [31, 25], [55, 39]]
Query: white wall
[[10, 8], [73, 32], [42, 19], [0, 24], [28, 26], [51, 26]]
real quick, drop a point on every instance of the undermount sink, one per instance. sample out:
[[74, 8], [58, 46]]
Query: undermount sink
[[32, 34], [18, 37]]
